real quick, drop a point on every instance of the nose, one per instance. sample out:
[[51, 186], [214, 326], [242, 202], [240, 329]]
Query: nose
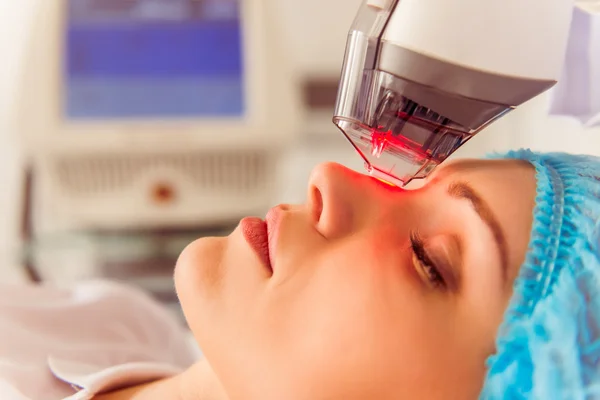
[[341, 200]]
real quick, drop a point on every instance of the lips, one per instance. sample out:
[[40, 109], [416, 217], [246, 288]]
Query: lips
[[273, 220], [256, 233], [262, 235]]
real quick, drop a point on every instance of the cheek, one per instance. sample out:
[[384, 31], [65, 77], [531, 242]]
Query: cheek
[[353, 321]]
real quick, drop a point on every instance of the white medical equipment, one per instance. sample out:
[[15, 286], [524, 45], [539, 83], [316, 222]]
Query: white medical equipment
[[422, 77], [153, 113]]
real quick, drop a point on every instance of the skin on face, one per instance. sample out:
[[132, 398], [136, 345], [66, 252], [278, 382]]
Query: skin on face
[[350, 310]]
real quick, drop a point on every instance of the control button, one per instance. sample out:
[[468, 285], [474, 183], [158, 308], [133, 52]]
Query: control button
[[163, 193]]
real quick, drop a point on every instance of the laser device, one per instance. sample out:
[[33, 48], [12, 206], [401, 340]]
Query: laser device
[[422, 77]]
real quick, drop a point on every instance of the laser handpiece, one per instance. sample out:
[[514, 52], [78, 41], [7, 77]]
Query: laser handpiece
[[422, 77]]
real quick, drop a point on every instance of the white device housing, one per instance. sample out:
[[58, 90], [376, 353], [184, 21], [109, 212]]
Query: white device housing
[[105, 173], [525, 39]]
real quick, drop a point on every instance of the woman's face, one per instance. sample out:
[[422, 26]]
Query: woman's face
[[371, 291]]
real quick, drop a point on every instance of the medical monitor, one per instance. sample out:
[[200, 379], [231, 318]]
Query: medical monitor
[[122, 100], [153, 59]]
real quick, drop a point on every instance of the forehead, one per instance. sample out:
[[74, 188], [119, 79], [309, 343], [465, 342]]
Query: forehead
[[465, 167]]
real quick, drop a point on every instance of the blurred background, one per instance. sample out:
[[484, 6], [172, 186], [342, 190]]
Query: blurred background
[[129, 128]]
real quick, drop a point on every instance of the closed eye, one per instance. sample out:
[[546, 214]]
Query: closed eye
[[424, 264]]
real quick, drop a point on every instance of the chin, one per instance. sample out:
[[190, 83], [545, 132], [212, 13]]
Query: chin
[[199, 268]]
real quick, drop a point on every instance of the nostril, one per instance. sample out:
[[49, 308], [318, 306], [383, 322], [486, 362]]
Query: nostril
[[317, 201]]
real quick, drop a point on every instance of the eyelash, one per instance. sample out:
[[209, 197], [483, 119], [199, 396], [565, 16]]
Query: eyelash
[[425, 263]]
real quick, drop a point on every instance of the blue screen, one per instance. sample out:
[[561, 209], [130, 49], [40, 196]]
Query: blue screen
[[153, 59]]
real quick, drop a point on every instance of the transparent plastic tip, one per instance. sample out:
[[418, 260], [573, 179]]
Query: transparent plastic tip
[[400, 158], [399, 139]]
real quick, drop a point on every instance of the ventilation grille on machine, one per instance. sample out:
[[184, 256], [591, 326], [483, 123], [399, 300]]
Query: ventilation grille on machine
[[233, 173]]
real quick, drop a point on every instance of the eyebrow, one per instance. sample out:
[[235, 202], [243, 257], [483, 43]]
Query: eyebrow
[[462, 190]]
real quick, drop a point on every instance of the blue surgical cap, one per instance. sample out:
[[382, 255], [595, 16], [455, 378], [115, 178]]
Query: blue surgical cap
[[548, 346]]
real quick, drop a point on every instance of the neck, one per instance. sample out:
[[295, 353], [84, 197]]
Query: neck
[[197, 383]]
